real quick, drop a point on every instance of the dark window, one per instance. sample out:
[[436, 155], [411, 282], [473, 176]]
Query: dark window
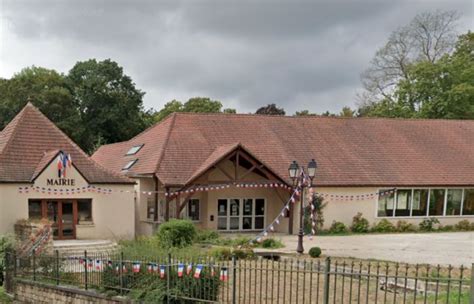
[[193, 209], [420, 202], [84, 211], [453, 203], [436, 201], [129, 164], [34, 210], [468, 205], [151, 208], [403, 203]]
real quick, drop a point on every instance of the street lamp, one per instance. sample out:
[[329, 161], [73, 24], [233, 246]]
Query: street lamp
[[299, 179]]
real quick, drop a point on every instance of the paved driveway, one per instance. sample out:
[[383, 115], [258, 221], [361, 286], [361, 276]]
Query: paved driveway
[[433, 248]]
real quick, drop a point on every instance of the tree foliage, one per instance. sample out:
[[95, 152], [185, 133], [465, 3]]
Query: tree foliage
[[440, 89], [271, 109], [427, 37], [193, 105], [95, 103]]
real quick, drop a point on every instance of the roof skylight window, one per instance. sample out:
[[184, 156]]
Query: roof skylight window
[[133, 150], [129, 164]]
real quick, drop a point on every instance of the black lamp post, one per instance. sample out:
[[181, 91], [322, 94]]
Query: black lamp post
[[297, 175]]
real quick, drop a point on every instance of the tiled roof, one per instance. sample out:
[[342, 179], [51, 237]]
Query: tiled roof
[[30, 140], [349, 151]]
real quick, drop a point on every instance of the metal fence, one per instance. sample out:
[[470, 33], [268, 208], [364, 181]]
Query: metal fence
[[175, 279]]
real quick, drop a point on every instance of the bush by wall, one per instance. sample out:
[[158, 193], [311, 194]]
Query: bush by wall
[[206, 236], [338, 227], [383, 226], [176, 233], [463, 225], [271, 243], [359, 224], [428, 224], [404, 226]]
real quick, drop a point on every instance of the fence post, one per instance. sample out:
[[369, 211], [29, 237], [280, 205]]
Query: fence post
[[327, 269], [85, 270], [234, 279], [168, 279], [57, 267], [34, 264], [121, 273]]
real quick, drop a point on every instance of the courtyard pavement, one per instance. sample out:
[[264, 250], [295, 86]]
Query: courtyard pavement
[[423, 248]]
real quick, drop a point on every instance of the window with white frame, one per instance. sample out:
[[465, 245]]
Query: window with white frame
[[426, 202]]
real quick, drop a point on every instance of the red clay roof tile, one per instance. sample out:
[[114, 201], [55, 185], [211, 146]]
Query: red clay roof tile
[[349, 151], [26, 139]]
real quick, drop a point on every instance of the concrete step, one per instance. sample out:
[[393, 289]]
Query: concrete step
[[77, 247]]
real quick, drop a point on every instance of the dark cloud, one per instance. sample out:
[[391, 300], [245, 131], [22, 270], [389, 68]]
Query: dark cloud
[[299, 54]]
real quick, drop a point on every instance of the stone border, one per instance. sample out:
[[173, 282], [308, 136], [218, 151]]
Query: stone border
[[94, 295]]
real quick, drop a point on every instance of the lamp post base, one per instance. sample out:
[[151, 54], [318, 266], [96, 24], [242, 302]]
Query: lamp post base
[[300, 248]]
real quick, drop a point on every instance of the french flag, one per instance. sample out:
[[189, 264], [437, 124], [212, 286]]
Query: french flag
[[150, 267], [224, 275], [180, 270], [136, 267], [197, 274], [98, 264], [60, 165], [189, 269], [162, 271]]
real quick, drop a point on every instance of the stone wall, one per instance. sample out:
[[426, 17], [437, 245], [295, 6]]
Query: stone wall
[[39, 293]]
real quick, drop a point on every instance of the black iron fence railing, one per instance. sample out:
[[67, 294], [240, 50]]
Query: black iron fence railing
[[176, 279]]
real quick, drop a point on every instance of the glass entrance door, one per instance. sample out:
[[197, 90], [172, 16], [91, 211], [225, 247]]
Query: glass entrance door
[[67, 220], [240, 214], [61, 214]]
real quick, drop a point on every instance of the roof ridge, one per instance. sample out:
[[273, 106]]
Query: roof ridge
[[318, 116]]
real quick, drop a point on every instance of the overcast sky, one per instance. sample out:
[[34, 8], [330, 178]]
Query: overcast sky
[[297, 54]]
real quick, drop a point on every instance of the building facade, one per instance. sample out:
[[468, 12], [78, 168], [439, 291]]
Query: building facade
[[229, 172], [44, 175]]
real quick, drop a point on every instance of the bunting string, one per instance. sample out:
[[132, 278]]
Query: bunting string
[[201, 188]]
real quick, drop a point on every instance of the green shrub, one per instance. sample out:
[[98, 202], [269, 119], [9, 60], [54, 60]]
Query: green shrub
[[383, 226], [446, 228], [404, 226], [271, 243], [176, 233], [359, 224], [337, 227], [206, 236], [463, 225], [314, 252], [242, 241], [244, 253], [221, 253], [428, 224]]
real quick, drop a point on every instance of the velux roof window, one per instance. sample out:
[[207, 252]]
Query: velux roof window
[[133, 150], [129, 164]]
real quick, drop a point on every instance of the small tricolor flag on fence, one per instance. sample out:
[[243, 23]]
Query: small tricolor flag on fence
[[197, 274], [180, 270], [89, 263], [149, 267], [162, 271], [224, 276], [136, 267], [189, 269], [98, 265]]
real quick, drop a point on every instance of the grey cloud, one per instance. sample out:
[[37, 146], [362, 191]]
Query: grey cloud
[[299, 54]]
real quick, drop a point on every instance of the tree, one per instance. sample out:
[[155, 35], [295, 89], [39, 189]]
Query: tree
[[193, 105], [304, 113], [271, 109], [441, 89], [347, 112], [426, 38], [47, 90], [110, 105]]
